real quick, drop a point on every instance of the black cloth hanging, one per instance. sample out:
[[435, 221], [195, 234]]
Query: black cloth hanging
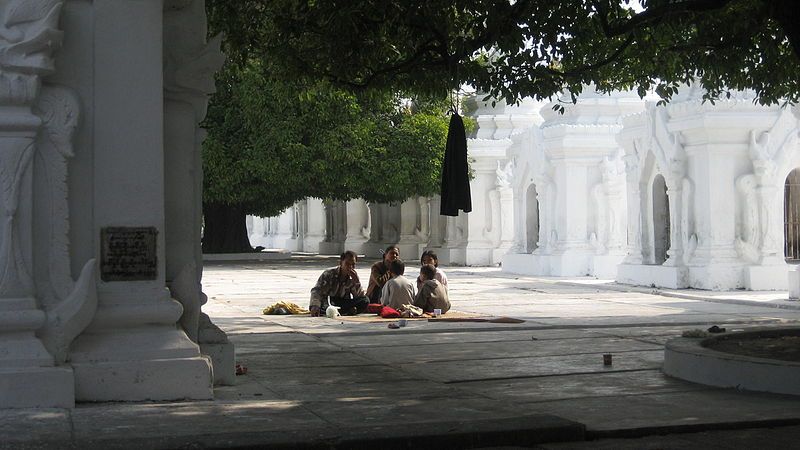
[[455, 171]]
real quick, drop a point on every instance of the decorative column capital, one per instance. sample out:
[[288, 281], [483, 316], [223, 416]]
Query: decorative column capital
[[29, 35]]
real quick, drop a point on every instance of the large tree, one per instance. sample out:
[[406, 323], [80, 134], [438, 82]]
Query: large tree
[[537, 48], [272, 142]]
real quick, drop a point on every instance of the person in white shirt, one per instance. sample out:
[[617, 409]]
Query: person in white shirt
[[399, 290]]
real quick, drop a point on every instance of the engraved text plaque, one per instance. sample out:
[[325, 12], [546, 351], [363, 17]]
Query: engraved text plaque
[[128, 254]]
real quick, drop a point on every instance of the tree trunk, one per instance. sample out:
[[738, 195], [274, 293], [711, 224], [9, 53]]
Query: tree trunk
[[224, 229]]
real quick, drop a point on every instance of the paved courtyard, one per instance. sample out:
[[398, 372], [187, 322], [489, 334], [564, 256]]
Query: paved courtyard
[[321, 383]]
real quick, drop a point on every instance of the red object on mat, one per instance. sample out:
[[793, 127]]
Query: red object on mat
[[389, 313], [374, 308]]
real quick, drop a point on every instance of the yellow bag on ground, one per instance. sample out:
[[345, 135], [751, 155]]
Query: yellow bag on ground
[[284, 308]]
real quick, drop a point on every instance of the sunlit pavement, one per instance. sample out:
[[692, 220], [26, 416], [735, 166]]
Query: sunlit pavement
[[326, 383]]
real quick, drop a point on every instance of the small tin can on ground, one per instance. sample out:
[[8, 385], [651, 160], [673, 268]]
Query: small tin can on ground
[[437, 312], [402, 322], [607, 360]]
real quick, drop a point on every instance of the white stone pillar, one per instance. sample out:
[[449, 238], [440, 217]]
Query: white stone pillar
[[133, 349], [335, 228], [186, 52], [284, 230], [358, 226], [28, 373], [437, 223], [484, 223], [315, 231], [409, 242], [258, 233]]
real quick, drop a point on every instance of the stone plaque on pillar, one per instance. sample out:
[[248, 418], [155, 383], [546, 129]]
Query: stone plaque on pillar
[[128, 254]]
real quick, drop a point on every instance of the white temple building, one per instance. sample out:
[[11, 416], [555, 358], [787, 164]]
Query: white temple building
[[688, 194]]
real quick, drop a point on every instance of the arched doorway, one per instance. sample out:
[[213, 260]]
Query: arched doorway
[[660, 220], [531, 219], [791, 217]]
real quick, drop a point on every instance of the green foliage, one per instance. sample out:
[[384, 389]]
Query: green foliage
[[272, 142], [535, 48]]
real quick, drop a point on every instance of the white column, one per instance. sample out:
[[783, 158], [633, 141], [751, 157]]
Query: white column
[[358, 226], [437, 223], [28, 375], [315, 231], [186, 98], [133, 349], [409, 242]]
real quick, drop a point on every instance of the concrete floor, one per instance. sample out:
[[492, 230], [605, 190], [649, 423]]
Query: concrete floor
[[322, 383]]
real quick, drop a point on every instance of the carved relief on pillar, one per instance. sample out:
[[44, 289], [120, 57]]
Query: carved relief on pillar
[[672, 160], [758, 235], [608, 201], [633, 173], [546, 196], [35, 142], [494, 228], [190, 61]]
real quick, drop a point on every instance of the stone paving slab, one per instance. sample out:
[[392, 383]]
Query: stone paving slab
[[598, 384], [783, 437], [46, 425], [275, 379], [271, 361], [410, 353], [672, 410], [445, 337], [408, 411], [377, 390], [246, 388], [475, 369], [282, 336], [264, 343], [175, 419]]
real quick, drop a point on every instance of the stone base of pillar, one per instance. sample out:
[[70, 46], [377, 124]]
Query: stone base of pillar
[[214, 344], [717, 277], [156, 379], [311, 243], [478, 256], [605, 266], [373, 250], [499, 254], [652, 275], [410, 252], [223, 359], [356, 245], [293, 245], [331, 248], [766, 278], [37, 387], [569, 264], [522, 264], [143, 363], [451, 256]]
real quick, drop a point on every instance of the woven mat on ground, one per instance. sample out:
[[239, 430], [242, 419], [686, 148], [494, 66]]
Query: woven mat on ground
[[450, 316]]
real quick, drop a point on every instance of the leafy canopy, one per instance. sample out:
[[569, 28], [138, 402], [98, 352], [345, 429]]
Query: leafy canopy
[[273, 141], [536, 48]]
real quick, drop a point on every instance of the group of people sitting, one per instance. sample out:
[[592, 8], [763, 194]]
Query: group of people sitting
[[340, 286]]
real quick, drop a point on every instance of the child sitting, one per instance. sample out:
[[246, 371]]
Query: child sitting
[[432, 295], [399, 290], [429, 257]]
